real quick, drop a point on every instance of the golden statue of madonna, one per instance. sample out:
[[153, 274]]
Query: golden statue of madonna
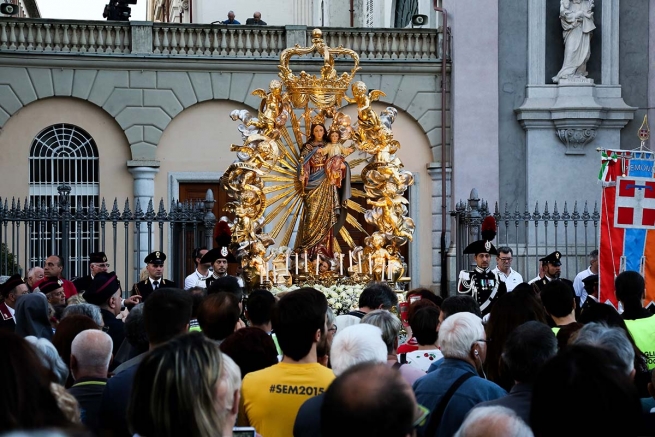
[[292, 177]]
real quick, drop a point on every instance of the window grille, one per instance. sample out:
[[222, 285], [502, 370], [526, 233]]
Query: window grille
[[64, 154], [369, 14]]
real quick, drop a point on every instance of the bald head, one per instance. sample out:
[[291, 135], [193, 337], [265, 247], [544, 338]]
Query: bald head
[[91, 354], [373, 399]]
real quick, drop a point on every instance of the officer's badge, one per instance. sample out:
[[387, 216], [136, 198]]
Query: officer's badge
[[224, 251], [487, 245], [157, 255], [104, 259], [556, 255]]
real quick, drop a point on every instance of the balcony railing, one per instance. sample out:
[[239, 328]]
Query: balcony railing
[[205, 40]]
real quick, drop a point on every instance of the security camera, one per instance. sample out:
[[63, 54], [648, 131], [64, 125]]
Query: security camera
[[8, 9], [419, 20]]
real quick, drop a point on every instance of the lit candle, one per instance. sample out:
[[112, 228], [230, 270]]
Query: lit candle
[[274, 274], [359, 261], [318, 262], [306, 261], [268, 269], [261, 275], [389, 271], [341, 264], [370, 264], [350, 255], [287, 261], [296, 263], [382, 269]]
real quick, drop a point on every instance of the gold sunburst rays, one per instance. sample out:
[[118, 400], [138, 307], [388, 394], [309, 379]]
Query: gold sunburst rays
[[295, 208], [347, 238], [355, 206], [273, 188], [357, 193], [270, 217], [354, 223], [289, 192]]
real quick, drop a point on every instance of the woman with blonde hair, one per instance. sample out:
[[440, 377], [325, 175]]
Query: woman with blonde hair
[[177, 390]]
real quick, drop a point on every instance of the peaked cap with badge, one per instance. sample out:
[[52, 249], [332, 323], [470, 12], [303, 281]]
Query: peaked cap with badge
[[7, 322], [12, 282], [156, 257], [482, 283], [50, 285], [97, 257], [553, 258], [104, 286]]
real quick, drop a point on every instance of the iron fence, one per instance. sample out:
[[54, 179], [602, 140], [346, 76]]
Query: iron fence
[[35, 230], [531, 235]]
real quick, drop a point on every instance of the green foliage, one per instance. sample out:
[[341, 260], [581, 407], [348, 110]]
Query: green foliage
[[8, 262]]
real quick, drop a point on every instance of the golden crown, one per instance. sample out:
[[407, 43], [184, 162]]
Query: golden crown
[[325, 90]]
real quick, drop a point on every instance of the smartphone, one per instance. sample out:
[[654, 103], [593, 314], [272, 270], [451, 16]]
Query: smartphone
[[244, 431]]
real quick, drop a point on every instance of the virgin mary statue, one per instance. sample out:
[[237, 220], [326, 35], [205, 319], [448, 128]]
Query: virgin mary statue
[[325, 179]]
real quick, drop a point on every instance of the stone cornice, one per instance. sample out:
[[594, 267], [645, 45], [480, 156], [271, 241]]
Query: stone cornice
[[191, 63]]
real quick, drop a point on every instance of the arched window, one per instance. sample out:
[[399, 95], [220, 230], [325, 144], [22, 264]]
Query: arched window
[[64, 154]]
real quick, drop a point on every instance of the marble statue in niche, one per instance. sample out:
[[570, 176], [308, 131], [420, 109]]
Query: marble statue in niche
[[577, 18]]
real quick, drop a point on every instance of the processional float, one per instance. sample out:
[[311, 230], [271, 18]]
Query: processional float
[[291, 179]]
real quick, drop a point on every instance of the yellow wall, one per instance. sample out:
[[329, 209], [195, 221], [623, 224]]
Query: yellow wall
[[113, 148]]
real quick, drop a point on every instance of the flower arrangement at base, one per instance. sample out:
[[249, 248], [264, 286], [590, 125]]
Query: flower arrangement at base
[[341, 298]]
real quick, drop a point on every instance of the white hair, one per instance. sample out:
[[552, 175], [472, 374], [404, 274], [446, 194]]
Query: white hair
[[458, 333], [49, 358], [85, 309], [232, 377], [612, 339], [92, 349], [357, 344], [493, 421]]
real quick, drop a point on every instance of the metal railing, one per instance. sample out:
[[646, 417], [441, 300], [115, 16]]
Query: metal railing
[[32, 232], [531, 235]]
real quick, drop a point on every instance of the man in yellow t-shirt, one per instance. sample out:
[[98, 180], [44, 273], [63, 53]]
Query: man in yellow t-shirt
[[271, 398]]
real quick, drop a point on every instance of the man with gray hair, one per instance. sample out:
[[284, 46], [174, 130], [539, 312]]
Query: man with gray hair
[[452, 390], [578, 285], [89, 362], [493, 421], [390, 326], [355, 344], [504, 270], [85, 309], [611, 339]]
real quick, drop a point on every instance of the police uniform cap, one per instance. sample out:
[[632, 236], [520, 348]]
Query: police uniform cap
[[481, 246], [590, 280], [50, 285], [12, 282], [97, 257], [104, 286], [553, 258], [155, 258]]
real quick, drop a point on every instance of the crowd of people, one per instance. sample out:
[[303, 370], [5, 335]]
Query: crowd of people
[[209, 359]]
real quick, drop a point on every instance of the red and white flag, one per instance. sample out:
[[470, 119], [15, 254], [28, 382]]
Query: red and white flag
[[635, 203]]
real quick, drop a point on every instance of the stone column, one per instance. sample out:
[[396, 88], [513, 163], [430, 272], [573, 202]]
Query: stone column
[[144, 191], [435, 171]]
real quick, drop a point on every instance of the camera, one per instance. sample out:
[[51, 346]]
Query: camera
[[244, 431], [118, 10], [8, 9], [419, 20]]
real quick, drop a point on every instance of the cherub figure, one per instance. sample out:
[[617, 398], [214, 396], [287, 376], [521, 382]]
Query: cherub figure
[[271, 108], [370, 127]]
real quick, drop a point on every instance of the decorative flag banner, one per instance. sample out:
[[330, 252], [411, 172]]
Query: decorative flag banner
[[627, 225], [635, 203]]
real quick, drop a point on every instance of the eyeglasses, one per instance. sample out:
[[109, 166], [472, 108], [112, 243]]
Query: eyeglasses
[[481, 341], [333, 328], [424, 412], [507, 260], [107, 265]]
